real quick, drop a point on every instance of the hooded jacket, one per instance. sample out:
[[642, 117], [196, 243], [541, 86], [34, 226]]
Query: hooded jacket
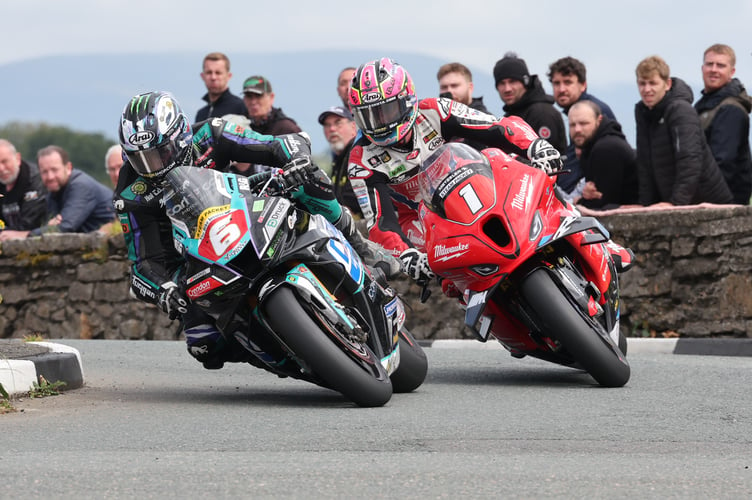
[[568, 180], [537, 109], [276, 123], [25, 206], [725, 118], [609, 161], [674, 161]]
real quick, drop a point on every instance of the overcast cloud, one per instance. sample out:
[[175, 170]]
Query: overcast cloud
[[610, 38]]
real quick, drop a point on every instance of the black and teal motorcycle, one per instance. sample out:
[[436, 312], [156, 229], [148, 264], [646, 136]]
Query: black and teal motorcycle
[[288, 286]]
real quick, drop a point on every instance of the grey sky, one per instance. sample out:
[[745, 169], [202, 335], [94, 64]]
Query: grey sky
[[610, 37]]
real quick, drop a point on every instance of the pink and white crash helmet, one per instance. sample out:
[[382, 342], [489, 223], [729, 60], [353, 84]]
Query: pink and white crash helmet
[[383, 101]]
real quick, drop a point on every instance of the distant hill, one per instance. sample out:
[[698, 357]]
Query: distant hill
[[87, 93]]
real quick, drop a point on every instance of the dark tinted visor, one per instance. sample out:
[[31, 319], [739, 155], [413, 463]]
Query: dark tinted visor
[[153, 161], [382, 117]]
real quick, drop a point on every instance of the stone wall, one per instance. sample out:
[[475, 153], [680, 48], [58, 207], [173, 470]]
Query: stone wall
[[691, 278]]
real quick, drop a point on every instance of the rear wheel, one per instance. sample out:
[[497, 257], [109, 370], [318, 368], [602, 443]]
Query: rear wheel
[[413, 365], [560, 318], [360, 377]]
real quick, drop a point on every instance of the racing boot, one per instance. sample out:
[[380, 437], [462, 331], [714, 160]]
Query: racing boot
[[211, 348], [622, 257], [373, 254]]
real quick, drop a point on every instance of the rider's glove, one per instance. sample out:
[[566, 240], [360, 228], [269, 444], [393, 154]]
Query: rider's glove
[[415, 264], [544, 156], [298, 171], [171, 300]]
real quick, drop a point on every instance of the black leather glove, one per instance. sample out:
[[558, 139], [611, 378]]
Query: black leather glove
[[544, 156], [415, 264], [298, 171], [171, 300]]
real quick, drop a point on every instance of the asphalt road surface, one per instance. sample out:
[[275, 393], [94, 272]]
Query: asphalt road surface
[[151, 423]]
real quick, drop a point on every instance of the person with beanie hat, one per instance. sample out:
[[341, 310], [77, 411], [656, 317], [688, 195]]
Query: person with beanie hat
[[511, 66], [523, 95]]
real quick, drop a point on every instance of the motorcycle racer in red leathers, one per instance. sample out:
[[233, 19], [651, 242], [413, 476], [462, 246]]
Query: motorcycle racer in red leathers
[[398, 133]]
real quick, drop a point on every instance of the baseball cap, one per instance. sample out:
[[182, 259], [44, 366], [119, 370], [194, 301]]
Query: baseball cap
[[256, 85], [335, 110]]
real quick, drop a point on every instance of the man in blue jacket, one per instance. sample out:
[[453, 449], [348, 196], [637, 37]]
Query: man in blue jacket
[[76, 202]]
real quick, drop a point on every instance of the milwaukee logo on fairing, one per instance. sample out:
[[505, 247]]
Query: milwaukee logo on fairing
[[518, 201], [440, 252]]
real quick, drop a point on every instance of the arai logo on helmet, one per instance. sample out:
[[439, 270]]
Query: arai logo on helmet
[[141, 138], [372, 97]]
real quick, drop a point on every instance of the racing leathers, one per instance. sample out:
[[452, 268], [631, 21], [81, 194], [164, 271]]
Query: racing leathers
[[156, 265], [385, 180]]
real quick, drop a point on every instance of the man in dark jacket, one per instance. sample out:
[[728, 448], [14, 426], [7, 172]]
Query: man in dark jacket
[[523, 96], [76, 202], [675, 166], [724, 114], [265, 118], [22, 201], [220, 101], [607, 160], [456, 82], [568, 77]]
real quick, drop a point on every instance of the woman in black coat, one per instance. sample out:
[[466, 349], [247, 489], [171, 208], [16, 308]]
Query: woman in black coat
[[675, 165]]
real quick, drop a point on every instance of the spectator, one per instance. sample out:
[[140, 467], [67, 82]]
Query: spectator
[[220, 101], [456, 82], [75, 200], [724, 116], [568, 77], [675, 165], [608, 161], [22, 201], [343, 84], [523, 96], [265, 118], [340, 131], [113, 161]]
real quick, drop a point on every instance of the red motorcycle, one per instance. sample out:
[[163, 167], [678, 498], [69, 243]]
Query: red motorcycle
[[530, 269]]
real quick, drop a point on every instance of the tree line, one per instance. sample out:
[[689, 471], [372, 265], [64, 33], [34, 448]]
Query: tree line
[[86, 150]]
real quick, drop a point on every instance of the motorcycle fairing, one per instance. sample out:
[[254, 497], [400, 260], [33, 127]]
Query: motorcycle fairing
[[591, 229], [267, 217], [220, 231]]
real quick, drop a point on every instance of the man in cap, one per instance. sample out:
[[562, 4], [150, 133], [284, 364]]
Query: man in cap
[[340, 131], [265, 118], [524, 96]]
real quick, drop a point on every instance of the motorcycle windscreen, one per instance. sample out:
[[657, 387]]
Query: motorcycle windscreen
[[456, 182], [209, 219]]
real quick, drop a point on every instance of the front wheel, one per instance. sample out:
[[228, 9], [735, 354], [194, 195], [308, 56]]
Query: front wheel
[[561, 319], [413, 365], [365, 382]]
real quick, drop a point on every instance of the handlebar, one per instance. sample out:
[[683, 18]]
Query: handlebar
[[271, 182]]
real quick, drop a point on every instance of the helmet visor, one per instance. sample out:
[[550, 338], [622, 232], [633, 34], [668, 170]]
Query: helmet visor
[[155, 161], [381, 118]]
